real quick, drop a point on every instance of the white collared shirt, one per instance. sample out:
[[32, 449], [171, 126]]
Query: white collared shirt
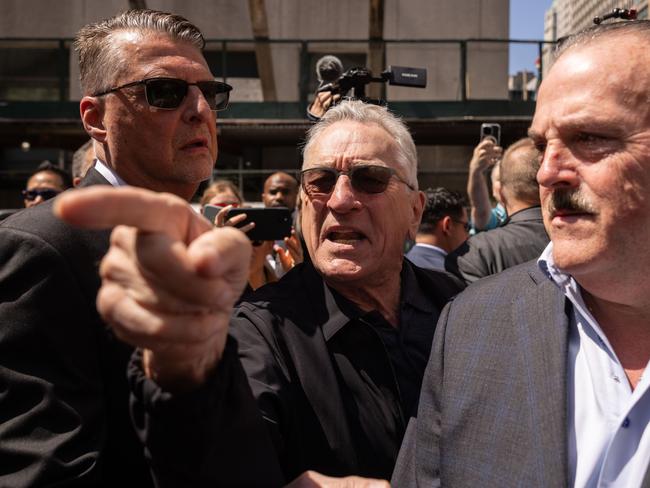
[[109, 174], [608, 423], [431, 246]]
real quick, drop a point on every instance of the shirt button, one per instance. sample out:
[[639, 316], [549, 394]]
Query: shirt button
[[626, 423]]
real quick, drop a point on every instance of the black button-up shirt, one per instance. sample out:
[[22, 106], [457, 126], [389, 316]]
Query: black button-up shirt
[[332, 387]]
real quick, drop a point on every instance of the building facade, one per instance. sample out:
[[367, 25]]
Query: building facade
[[267, 50], [566, 17]]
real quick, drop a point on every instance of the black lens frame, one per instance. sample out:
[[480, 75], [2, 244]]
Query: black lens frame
[[356, 182], [209, 89]]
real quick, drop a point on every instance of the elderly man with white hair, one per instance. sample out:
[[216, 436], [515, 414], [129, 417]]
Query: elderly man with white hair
[[319, 371]]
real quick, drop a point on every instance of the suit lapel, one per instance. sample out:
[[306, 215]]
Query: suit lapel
[[541, 311], [93, 177]]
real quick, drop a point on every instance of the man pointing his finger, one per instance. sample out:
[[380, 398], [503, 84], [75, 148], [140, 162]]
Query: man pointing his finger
[[149, 103]]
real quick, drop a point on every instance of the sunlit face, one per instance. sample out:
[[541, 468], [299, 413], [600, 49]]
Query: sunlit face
[[593, 124], [280, 190], [164, 150], [355, 237], [43, 180]]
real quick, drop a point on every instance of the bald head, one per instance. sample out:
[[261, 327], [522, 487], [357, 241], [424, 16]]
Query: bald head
[[603, 32], [280, 190], [518, 170]]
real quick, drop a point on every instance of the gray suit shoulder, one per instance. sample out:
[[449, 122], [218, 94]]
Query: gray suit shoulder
[[502, 287]]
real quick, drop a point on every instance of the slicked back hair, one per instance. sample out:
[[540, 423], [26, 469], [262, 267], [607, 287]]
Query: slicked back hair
[[366, 113], [439, 204], [101, 61], [518, 172]]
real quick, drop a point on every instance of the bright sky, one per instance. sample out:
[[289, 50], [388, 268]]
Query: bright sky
[[526, 22]]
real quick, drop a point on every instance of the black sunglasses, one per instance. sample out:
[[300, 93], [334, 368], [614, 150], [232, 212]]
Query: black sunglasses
[[44, 193], [169, 93], [366, 178]]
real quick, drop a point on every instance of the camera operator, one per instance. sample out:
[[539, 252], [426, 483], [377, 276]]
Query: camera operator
[[328, 70]]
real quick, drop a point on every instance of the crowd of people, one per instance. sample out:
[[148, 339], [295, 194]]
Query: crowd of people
[[142, 344]]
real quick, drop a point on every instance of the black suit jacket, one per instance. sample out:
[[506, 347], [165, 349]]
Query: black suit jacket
[[63, 390], [522, 238]]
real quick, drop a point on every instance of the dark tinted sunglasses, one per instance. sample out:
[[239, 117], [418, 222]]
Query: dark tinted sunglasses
[[364, 178], [169, 93], [44, 193]]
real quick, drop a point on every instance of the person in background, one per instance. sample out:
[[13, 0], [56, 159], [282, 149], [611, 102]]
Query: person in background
[[82, 160], [45, 183], [523, 236], [222, 193], [281, 190], [483, 216], [443, 228]]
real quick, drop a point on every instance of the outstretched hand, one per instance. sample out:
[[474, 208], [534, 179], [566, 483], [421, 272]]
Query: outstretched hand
[[169, 279]]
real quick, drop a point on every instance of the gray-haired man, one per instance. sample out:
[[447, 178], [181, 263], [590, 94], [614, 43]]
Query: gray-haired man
[[322, 369], [149, 103]]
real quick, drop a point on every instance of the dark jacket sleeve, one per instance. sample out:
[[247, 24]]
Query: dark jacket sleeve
[[212, 436], [52, 404], [470, 261], [418, 463]]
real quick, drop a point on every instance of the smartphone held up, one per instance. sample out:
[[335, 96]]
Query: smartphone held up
[[271, 224], [492, 131]]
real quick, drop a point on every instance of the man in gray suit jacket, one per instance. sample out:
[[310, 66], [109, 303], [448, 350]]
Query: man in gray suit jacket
[[522, 237], [536, 375]]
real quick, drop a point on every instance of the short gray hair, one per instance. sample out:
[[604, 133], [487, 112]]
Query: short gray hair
[[597, 32], [365, 113], [100, 61]]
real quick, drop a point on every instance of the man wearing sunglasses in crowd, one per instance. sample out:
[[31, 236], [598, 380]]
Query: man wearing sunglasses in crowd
[[319, 371], [45, 183], [149, 103]]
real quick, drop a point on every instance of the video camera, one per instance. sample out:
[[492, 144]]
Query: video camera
[[356, 79]]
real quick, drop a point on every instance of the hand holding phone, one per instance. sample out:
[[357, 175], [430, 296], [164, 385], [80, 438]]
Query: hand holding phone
[[260, 224], [491, 130]]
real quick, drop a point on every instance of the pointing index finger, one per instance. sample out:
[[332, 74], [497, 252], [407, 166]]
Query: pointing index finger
[[106, 207]]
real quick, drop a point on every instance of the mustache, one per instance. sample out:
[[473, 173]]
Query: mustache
[[569, 200]]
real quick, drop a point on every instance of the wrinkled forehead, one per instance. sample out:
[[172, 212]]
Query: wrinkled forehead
[[351, 141], [618, 64], [148, 51], [590, 83], [281, 182]]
